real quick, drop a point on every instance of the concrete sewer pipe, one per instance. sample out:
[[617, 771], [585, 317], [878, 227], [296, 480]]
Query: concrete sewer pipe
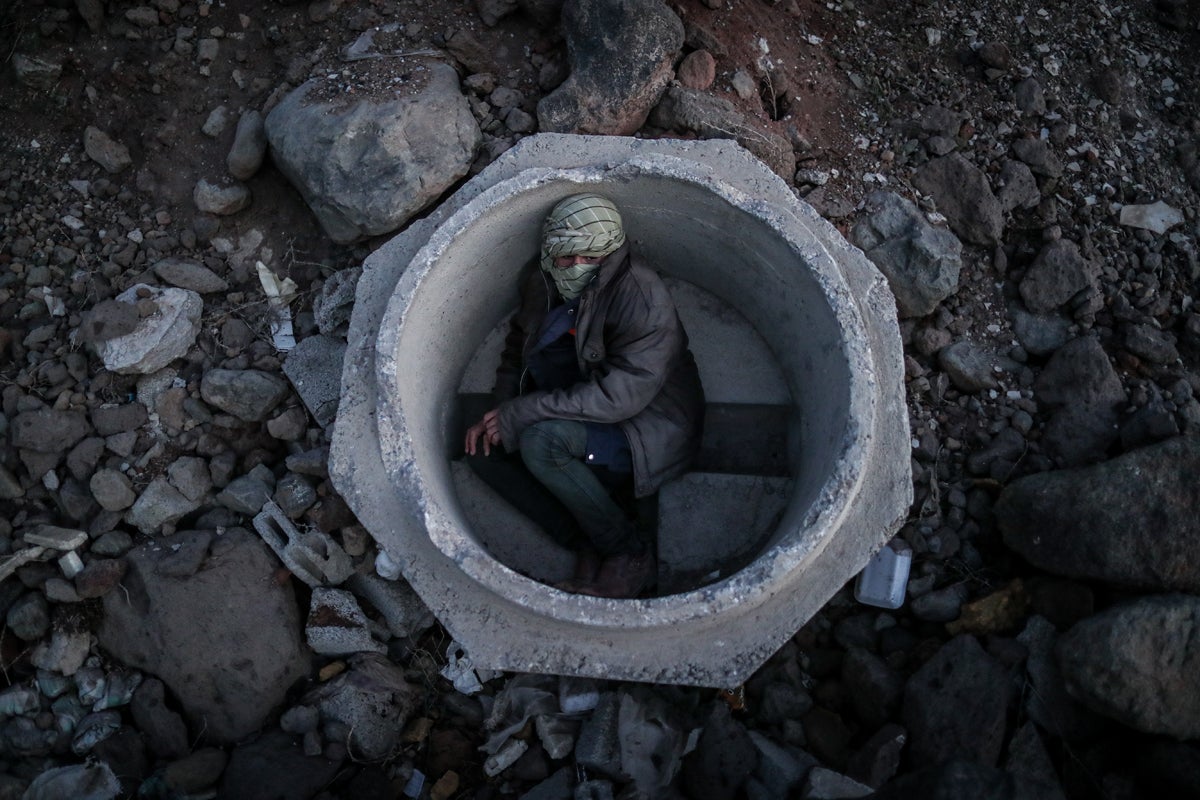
[[718, 223]]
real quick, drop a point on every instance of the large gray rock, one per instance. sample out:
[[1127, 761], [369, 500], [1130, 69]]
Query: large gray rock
[[49, 430], [1139, 664], [963, 195], [1130, 521], [621, 54], [273, 766], [367, 168], [160, 337], [920, 261], [248, 394], [955, 706], [1058, 273], [1047, 702], [1081, 389], [711, 117], [225, 640], [373, 700]]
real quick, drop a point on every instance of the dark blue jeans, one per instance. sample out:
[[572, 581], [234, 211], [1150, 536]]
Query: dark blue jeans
[[553, 485]]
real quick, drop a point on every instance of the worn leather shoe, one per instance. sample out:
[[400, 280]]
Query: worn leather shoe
[[587, 569], [622, 576]]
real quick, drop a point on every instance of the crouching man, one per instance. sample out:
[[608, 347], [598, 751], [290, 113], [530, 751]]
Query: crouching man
[[599, 399]]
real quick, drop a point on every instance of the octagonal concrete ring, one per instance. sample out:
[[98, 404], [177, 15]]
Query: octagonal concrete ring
[[708, 213]]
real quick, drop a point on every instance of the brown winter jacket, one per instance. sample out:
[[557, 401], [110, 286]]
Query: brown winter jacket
[[638, 372]]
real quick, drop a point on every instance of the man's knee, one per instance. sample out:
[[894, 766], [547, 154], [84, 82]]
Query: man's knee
[[552, 442]]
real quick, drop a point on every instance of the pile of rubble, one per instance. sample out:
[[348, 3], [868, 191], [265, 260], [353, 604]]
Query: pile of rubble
[[191, 610]]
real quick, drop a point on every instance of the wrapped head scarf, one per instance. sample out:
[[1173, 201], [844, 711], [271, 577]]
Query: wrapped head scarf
[[580, 225]]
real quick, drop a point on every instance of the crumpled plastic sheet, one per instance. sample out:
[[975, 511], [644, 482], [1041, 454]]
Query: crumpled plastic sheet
[[460, 670], [652, 740], [524, 696]]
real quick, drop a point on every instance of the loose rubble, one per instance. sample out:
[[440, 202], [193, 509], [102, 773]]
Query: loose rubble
[[191, 610]]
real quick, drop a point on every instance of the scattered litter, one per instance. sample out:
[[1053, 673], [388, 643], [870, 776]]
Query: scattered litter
[[882, 583], [813, 39], [385, 567], [460, 671], [577, 695], [505, 758], [416, 783], [522, 698], [279, 293], [1157, 217]]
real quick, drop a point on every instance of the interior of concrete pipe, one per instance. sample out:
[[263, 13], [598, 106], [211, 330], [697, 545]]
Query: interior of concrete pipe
[[737, 264]]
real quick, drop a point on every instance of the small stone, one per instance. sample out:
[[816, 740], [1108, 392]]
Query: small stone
[[159, 504], [187, 274], [744, 85], [245, 495], [29, 618], [191, 477], [221, 201], [214, 126], [246, 394], [996, 55], [249, 146], [105, 151], [294, 495], [698, 70]]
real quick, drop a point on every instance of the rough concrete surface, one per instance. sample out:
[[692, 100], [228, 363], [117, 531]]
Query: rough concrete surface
[[707, 213]]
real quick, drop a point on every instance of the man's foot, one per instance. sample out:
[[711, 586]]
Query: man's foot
[[587, 569], [622, 576]]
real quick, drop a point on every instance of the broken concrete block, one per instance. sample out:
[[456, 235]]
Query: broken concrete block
[[598, 747], [62, 539], [374, 702], [337, 626], [312, 556], [315, 368], [404, 612], [160, 337]]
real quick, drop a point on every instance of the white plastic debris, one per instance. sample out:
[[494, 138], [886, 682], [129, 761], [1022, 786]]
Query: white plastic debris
[[416, 783], [279, 292], [882, 583], [1157, 217], [577, 695], [460, 671], [505, 758], [385, 567]]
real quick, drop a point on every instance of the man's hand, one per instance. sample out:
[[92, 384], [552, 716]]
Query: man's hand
[[488, 429]]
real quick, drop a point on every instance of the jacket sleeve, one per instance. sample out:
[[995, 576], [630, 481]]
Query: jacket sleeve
[[642, 340]]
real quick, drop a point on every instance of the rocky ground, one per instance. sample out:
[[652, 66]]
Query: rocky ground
[[1025, 174]]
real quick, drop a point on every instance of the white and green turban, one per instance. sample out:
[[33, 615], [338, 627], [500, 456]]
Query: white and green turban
[[581, 225]]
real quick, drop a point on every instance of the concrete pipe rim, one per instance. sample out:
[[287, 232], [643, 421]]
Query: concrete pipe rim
[[409, 460]]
